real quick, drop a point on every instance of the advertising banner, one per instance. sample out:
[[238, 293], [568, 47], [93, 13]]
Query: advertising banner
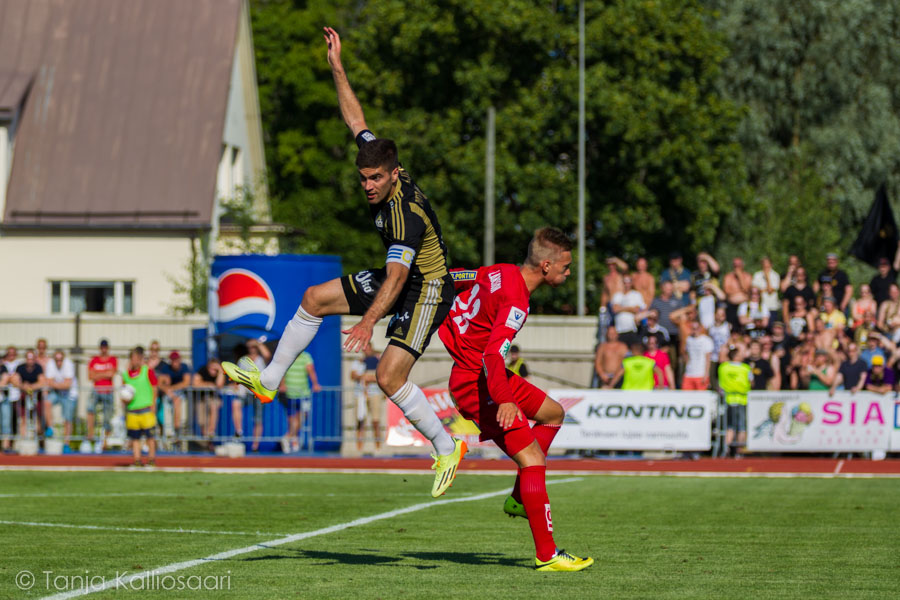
[[401, 433], [816, 422], [630, 420], [895, 428]]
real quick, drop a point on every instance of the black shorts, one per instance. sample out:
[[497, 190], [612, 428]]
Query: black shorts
[[419, 310]]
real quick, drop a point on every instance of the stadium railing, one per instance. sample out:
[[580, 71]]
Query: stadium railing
[[22, 419]]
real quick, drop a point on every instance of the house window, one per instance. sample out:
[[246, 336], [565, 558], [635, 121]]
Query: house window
[[110, 297]]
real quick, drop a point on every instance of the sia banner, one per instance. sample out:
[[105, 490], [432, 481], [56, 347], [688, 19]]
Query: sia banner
[[817, 422]]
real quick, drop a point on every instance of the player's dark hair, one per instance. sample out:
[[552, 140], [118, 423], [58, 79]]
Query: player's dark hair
[[546, 240], [139, 350], [380, 152], [733, 354]]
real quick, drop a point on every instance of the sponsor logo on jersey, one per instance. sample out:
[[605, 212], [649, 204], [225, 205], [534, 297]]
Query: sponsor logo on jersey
[[496, 281], [243, 295], [547, 516], [379, 222], [364, 279], [463, 275], [516, 318], [504, 349]]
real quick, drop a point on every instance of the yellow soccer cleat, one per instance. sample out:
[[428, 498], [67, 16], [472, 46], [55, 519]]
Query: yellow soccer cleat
[[445, 468], [513, 508], [563, 561], [248, 376]]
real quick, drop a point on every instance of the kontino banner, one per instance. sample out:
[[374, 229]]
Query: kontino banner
[[630, 420]]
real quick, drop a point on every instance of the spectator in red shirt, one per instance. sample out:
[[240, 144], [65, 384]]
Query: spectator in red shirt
[[101, 369]]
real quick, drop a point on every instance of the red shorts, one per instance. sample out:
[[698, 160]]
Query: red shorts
[[469, 390]]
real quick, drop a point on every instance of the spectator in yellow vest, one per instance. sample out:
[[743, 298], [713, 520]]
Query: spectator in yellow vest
[[516, 363], [638, 372]]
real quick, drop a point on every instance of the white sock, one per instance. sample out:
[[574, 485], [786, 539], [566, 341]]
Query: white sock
[[299, 332], [411, 400]]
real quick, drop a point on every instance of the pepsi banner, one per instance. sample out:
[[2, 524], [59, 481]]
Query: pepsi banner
[[254, 295]]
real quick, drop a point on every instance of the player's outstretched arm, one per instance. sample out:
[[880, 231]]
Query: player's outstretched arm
[[360, 334], [351, 110]]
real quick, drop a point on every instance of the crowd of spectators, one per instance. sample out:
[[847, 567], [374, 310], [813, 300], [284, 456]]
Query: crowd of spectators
[[187, 403], [796, 331]]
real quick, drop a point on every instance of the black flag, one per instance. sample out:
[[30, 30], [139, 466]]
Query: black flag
[[878, 237]]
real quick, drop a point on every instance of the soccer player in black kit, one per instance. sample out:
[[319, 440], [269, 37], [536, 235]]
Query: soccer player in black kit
[[414, 285]]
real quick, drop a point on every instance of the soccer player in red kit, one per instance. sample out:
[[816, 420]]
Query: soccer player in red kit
[[490, 308]]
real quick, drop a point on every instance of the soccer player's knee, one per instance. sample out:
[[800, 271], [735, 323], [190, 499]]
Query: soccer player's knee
[[388, 382], [530, 456], [312, 303], [556, 414]]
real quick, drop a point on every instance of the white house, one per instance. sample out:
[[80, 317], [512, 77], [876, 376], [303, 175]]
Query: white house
[[123, 124]]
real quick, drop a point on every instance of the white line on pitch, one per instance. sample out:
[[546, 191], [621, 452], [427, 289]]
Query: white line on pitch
[[200, 494], [180, 566], [140, 529]]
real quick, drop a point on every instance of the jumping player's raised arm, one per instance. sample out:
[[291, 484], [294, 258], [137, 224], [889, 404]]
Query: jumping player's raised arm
[[351, 110]]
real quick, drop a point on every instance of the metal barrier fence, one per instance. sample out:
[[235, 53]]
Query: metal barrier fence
[[192, 419]]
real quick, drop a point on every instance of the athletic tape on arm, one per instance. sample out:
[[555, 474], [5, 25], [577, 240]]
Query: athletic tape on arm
[[400, 254]]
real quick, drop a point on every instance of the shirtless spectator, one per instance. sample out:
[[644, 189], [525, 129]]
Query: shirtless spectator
[[705, 288], [736, 285], [608, 359], [768, 282], [643, 281], [840, 282], [678, 275], [613, 280], [627, 306]]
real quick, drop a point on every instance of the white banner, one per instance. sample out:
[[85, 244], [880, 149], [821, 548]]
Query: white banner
[[620, 420], [816, 422], [895, 428]]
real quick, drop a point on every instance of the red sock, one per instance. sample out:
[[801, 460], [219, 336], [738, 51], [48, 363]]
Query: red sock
[[537, 507], [543, 434]]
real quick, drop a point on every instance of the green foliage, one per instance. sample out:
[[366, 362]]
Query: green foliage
[[664, 168], [191, 286], [822, 96]]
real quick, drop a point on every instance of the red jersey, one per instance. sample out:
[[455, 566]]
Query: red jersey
[[490, 308], [101, 363]]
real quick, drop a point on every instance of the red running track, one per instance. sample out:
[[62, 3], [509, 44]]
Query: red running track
[[745, 466]]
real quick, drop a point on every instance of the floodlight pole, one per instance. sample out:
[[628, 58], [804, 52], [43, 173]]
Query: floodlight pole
[[489, 194], [581, 170]]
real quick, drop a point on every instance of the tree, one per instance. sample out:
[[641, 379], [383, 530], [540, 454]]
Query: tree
[[664, 168], [822, 96]]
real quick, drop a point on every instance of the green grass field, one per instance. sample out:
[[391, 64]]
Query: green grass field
[[652, 537]]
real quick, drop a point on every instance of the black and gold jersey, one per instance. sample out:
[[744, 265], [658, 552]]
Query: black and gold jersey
[[406, 218]]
